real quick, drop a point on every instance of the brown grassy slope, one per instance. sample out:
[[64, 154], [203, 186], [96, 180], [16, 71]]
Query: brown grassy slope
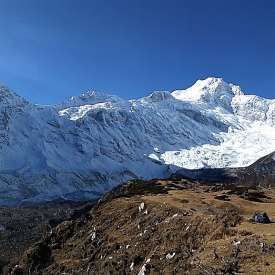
[[21, 227], [163, 227]]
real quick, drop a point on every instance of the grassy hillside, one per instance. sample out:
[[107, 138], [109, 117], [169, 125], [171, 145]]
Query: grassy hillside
[[170, 226]]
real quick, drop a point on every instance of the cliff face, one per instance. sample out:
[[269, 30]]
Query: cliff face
[[260, 173]]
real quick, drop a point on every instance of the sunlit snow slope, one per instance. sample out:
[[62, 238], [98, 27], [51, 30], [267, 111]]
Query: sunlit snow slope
[[87, 144]]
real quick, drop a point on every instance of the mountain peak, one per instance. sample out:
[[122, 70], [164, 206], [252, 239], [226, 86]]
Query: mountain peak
[[89, 97], [217, 84], [211, 90], [80, 152], [5, 93], [157, 96], [9, 98]]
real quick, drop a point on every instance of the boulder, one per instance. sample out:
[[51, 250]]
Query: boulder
[[261, 218]]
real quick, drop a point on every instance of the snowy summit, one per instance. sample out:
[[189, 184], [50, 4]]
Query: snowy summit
[[88, 144]]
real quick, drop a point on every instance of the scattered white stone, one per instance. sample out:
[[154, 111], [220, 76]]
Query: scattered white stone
[[187, 228], [143, 268], [92, 235], [237, 243], [141, 207], [132, 266], [110, 258], [17, 266], [127, 246], [170, 256], [146, 212], [170, 218]]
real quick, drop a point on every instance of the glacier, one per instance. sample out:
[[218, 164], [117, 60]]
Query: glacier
[[84, 146]]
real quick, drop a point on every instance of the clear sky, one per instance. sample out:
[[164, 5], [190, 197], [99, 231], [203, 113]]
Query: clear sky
[[51, 49]]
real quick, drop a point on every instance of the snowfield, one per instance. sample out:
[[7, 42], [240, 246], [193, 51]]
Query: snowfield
[[84, 146]]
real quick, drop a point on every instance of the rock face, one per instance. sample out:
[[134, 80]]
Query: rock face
[[86, 145], [260, 173]]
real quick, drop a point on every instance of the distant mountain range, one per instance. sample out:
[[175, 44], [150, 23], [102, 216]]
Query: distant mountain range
[[86, 145]]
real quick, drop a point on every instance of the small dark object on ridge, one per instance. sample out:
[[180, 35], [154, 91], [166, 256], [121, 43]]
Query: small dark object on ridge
[[260, 218], [222, 197]]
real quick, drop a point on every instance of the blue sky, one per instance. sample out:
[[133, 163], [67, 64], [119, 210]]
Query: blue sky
[[52, 49]]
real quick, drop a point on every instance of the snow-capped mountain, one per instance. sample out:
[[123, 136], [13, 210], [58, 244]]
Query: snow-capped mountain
[[90, 143]]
